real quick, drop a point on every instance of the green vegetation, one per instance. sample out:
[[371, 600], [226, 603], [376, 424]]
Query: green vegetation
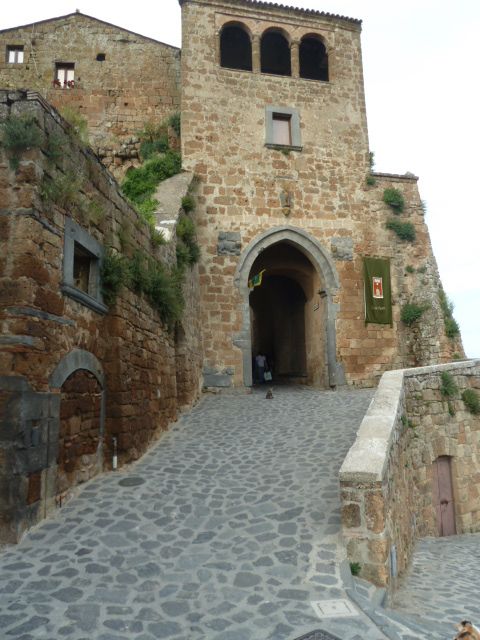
[[114, 272], [78, 124], [64, 191], [370, 180], [188, 203], [449, 387], [452, 330], [409, 269], [394, 198], [18, 134], [371, 160], [404, 230], [175, 122], [472, 401], [54, 148], [140, 184], [411, 312], [355, 568], [188, 251]]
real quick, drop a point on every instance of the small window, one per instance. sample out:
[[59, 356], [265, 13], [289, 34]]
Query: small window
[[235, 48], [101, 57], [282, 128], [64, 75], [82, 258], [15, 54], [275, 54]]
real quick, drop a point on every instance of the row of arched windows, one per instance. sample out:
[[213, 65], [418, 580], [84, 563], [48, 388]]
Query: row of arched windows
[[275, 53]]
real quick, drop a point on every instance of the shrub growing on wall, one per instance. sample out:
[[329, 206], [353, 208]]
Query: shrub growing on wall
[[411, 312], [394, 198], [404, 230], [18, 134], [472, 401]]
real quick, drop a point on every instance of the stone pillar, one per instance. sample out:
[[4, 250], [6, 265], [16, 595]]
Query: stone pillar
[[217, 48], [295, 56], [256, 66]]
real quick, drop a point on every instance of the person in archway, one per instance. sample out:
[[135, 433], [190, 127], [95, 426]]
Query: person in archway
[[261, 366]]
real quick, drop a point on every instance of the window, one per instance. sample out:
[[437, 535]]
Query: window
[[235, 48], [64, 75], [15, 54], [82, 257], [101, 57], [275, 54], [282, 128], [313, 59]]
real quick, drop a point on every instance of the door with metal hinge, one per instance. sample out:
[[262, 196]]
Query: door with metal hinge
[[443, 496]]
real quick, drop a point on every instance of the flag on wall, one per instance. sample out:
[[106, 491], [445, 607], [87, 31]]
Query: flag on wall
[[256, 281], [378, 292]]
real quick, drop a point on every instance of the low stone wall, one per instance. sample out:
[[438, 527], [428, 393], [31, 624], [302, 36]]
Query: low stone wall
[[387, 479]]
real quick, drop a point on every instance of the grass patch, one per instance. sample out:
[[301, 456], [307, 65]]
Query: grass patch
[[64, 191], [78, 124], [394, 198], [448, 387], [188, 251], [452, 330], [472, 401], [355, 568], [18, 134], [140, 184], [174, 121], [370, 180], [404, 230]]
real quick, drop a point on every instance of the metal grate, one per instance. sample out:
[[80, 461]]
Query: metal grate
[[319, 634]]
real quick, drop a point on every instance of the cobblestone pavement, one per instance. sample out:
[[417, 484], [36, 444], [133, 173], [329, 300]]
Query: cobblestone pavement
[[232, 535], [442, 585]]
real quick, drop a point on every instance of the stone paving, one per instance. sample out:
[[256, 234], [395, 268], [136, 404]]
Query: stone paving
[[233, 534], [442, 585]]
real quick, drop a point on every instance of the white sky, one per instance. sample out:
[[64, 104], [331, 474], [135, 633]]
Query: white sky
[[421, 64]]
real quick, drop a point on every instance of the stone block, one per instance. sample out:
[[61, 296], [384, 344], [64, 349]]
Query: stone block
[[342, 248], [229, 243], [351, 516]]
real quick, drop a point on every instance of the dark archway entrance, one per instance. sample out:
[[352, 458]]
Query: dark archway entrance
[[287, 315]]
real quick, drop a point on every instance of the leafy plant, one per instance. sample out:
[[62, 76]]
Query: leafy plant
[[411, 312], [355, 568], [370, 180], [449, 387], [472, 401], [18, 134], [175, 122], [78, 124], [404, 230], [54, 148], [114, 276], [140, 184], [188, 251], [64, 191], [148, 148], [371, 160], [394, 198], [409, 269]]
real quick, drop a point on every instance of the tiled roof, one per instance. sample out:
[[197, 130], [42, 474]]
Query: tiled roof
[[274, 5]]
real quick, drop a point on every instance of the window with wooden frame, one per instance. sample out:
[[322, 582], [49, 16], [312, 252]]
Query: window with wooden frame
[[15, 54], [282, 128], [64, 75]]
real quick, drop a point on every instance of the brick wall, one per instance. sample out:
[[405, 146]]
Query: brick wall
[[47, 334], [389, 496]]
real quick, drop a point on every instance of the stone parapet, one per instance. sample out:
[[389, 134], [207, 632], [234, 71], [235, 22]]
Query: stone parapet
[[387, 479]]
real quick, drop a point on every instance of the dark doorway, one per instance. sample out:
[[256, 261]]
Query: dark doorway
[[287, 315], [275, 54], [313, 59], [235, 48], [443, 496]]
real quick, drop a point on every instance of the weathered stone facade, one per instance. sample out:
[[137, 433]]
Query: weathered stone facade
[[75, 373], [389, 493], [122, 80], [314, 190]]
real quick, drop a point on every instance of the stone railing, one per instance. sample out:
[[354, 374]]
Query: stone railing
[[387, 478]]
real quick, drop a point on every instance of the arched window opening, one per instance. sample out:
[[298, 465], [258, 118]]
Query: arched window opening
[[313, 59], [275, 54], [235, 48]]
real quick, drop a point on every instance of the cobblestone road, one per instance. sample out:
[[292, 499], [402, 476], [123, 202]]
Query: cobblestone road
[[232, 535]]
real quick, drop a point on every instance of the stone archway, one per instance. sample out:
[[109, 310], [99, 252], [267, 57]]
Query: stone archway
[[324, 267]]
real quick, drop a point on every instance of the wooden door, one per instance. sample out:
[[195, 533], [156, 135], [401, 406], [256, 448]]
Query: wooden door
[[443, 496]]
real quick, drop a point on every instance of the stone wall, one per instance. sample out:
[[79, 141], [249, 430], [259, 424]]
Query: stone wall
[[136, 82], [52, 327], [387, 485], [316, 191]]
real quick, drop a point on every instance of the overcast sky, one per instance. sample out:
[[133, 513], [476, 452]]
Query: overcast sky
[[421, 64]]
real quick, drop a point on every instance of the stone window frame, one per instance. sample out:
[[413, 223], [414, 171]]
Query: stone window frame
[[64, 75], [296, 137], [16, 49], [75, 234]]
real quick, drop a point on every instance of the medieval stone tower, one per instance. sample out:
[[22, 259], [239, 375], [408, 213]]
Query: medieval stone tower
[[274, 126]]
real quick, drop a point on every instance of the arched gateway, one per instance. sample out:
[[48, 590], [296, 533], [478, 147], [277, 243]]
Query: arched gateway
[[291, 316]]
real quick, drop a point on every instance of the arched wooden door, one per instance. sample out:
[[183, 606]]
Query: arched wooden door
[[443, 496]]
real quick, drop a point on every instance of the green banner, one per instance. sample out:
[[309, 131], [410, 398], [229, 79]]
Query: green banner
[[378, 292]]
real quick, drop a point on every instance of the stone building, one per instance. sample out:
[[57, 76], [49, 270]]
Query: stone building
[[275, 153], [118, 80]]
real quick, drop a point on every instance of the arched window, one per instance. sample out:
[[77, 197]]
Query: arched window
[[275, 54], [313, 59], [235, 48]]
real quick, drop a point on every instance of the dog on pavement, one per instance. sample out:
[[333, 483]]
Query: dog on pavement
[[467, 631]]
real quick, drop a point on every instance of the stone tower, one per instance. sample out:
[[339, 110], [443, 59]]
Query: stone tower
[[274, 126]]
